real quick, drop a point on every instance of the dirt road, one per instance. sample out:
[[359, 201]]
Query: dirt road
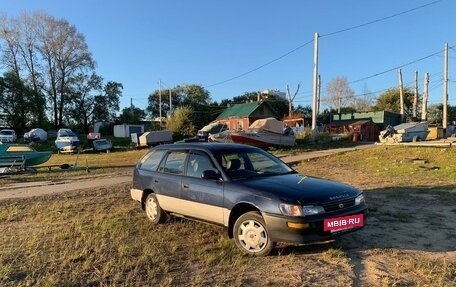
[[28, 189]]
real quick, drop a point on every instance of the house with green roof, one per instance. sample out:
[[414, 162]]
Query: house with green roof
[[241, 116]]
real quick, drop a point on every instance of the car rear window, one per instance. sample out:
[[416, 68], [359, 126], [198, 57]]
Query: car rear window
[[174, 163], [152, 160]]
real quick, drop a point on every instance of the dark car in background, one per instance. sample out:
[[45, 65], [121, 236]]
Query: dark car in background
[[255, 195]]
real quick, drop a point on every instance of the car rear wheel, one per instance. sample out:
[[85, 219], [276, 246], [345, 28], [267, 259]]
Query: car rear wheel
[[153, 210], [251, 235]]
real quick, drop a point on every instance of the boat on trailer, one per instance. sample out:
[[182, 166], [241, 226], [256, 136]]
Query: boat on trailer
[[66, 141], [265, 133], [19, 157]]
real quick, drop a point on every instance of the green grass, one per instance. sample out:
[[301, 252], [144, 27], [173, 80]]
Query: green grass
[[102, 238]]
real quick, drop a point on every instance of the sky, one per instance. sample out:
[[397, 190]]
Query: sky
[[238, 46]]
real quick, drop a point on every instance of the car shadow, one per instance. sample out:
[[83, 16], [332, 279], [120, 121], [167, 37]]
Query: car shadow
[[418, 218], [410, 218]]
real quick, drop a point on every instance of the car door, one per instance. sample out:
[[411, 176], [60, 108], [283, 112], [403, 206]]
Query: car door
[[202, 198], [168, 181]]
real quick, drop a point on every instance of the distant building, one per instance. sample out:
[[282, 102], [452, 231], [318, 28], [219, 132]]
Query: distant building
[[273, 92], [241, 116], [381, 118], [125, 130]]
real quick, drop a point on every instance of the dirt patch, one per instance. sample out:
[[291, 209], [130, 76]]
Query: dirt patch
[[409, 239]]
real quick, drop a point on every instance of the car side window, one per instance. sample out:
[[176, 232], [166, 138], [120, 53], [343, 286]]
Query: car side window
[[174, 162], [197, 163], [152, 160]]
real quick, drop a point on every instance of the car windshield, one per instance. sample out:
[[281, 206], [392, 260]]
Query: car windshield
[[66, 134], [5, 132], [252, 163]]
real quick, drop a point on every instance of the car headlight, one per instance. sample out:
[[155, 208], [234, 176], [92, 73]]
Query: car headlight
[[291, 209], [359, 199], [312, 209], [297, 210]]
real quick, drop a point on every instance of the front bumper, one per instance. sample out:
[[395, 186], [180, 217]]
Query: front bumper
[[136, 194], [306, 229]]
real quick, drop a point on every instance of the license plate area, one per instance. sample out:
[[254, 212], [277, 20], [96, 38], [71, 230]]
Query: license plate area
[[343, 223]]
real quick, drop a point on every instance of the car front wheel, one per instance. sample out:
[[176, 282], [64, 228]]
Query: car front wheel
[[251, 236], [153, 210]]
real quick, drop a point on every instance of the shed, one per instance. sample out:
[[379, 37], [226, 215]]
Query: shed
[[365, 130], [241, 116], [125, 130], [382, 118]]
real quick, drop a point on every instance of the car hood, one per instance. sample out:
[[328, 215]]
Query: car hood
[[300, 188]]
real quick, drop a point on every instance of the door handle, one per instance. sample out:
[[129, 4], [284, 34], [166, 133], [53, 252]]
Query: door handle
[[185, 185]]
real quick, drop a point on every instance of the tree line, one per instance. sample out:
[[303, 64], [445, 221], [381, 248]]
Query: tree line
[[49, 81], [49, 77]]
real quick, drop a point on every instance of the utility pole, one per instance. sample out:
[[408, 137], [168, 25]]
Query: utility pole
[[170, 104], [425, 98], [401, 94], [445, 89], [318, 95], [415, 95], [315, 90], [160, 102]]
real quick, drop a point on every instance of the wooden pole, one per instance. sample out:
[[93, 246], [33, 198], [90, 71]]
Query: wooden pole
[[315, 89], [425, 98], [401, 94], [415, 95], [445, 89]]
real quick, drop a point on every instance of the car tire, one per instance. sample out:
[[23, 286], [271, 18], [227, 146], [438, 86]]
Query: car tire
[[251, 235], [153, 210]]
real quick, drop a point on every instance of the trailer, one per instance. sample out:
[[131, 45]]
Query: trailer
[[149, 139]]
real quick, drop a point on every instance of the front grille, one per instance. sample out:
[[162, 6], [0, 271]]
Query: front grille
[[338, 205]]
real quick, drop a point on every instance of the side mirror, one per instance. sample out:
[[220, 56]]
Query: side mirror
[[211, 174]]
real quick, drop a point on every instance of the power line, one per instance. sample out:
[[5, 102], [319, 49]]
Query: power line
[[260, 67], [395, 68], [379, 20], [325, 35]]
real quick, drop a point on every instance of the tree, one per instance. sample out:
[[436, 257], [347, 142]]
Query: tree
[[390, 101], [15, 101], [339, 94], [132, 115], [193, 96], [65, 54], [19, 54], [46, 54], [364, 102], [435, 114], [180, 122], [82, 101], [108, 103]]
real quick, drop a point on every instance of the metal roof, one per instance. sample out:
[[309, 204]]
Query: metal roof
[[240, 110]]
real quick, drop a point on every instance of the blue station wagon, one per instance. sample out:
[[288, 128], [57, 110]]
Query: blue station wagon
[[255, 195]]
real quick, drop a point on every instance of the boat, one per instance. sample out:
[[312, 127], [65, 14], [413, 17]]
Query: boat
[[67, 140], [102, 145], [265, 133], [406, 132], [35, 135], [149, 139], [217, 132], [221, 137], [22, 155]]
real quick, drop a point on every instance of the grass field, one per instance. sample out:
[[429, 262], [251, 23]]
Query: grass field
[[102, 238]]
